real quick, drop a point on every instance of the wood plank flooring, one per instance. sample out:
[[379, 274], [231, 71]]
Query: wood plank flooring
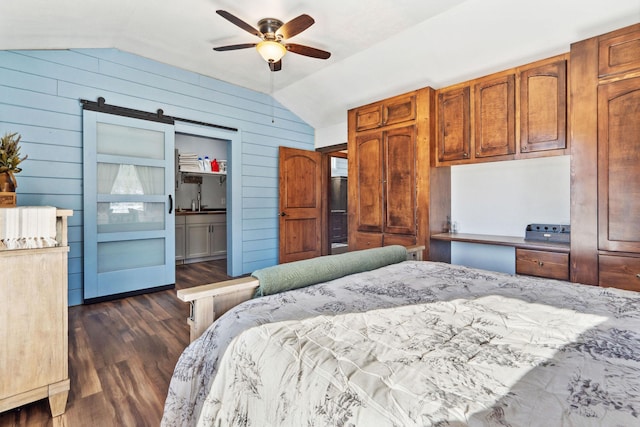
[[121, 357]]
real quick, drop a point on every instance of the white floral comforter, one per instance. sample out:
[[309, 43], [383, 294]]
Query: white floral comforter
[[417, 343]]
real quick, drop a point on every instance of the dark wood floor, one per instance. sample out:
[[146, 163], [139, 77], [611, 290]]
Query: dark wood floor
[[121, 357]]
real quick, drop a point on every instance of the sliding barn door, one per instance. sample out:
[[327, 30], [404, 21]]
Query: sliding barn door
[[129, 225]]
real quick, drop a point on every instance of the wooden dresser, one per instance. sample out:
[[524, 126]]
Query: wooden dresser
[[34, 324]]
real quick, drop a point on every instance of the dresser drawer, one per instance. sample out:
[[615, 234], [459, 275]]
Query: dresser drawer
[[619, 272], [554, 265]]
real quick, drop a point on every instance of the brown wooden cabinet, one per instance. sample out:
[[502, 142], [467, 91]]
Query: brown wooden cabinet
[[543, 106], [391, 181], [399, 180], [454, 124], [367, 161], [619, 52], [619, 165], [394, 110], [385, 188], [495, 116], [619, 271], [605, 185], [517, 113], [477, 120]]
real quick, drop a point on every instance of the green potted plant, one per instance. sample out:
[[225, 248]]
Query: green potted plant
[[9, 161]]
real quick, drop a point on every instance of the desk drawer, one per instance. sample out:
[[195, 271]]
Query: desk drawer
[[553, 265], [619, 272]]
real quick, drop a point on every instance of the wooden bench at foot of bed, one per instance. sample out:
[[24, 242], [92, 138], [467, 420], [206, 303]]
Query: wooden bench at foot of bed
[[208, 302]]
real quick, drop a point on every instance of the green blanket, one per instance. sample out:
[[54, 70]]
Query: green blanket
[[298, 274]]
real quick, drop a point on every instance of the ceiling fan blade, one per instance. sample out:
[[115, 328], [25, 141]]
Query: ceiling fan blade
[[275, 66], [235, 47], [239, 22], [308, 51], [295, 26]]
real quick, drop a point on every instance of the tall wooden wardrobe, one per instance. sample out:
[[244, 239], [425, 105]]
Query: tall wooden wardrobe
[[395, 195], [605, 171]]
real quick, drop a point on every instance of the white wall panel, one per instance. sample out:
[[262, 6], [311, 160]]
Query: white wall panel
[[502, 198]]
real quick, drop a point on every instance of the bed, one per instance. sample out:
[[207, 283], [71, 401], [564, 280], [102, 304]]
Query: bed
[[417, 343]]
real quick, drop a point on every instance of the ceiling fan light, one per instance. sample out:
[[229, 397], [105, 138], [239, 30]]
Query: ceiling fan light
[[271, 51]]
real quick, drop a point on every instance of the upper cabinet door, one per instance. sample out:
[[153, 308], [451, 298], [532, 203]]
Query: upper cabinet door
[[394, 110], [495, 116], [369, 117], [618, 54], [399, 109], [543, 107], [619, 165], [454, 124]]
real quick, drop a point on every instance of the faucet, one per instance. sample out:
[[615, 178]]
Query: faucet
[[198, 205]]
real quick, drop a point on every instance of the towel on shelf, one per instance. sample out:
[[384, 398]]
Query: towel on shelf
[[28, 227], [188, 162]]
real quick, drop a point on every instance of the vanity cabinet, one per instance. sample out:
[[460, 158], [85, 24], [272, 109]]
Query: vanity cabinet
[[201, 237], [181, 225], [206, 236], [605, 185], [516, 113]]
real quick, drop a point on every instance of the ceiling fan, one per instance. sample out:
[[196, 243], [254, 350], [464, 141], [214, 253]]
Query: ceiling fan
[[274, 34]]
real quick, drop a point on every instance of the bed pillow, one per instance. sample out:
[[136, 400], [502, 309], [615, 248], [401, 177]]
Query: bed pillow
[[298, 274]]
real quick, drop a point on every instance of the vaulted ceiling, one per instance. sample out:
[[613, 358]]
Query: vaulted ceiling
[[379, 47]]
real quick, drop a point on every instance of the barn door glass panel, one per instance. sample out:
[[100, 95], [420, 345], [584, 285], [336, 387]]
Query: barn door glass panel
[[129, 222]]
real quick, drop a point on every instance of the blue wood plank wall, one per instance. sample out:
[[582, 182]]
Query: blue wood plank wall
[[39, 98]]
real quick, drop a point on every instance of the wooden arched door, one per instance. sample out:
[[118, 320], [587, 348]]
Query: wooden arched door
[[301, 221]]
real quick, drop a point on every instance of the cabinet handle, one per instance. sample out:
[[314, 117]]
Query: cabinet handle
[[170, 203], [638, 275], [465, 155], [540, 263]]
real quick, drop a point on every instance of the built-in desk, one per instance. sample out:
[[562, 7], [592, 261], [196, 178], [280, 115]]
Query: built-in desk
[[516, 242], [535, 258]]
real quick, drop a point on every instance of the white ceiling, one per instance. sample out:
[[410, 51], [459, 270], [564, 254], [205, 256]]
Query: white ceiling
[[379, 47]]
